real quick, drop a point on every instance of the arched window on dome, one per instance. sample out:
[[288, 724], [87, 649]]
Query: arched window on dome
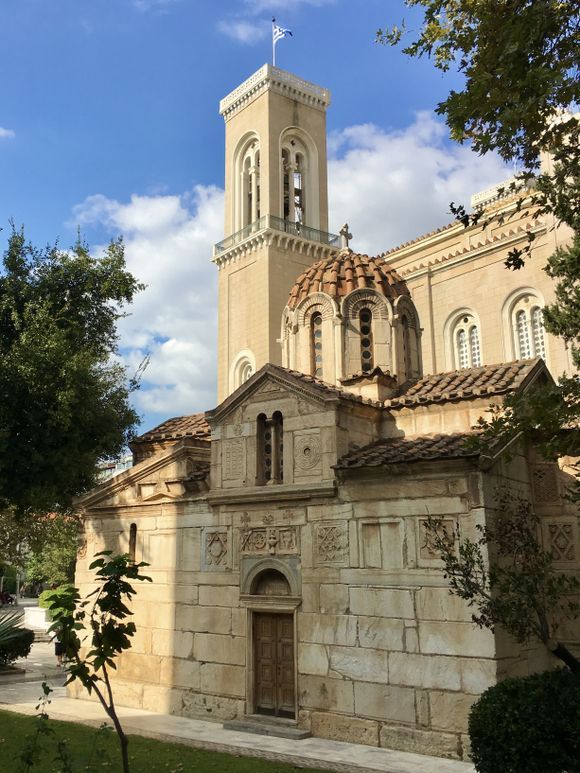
[[366, 340], [465, 342], [316, 344], [406, 345]]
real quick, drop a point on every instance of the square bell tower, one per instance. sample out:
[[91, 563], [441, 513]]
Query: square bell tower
[[276, 214]]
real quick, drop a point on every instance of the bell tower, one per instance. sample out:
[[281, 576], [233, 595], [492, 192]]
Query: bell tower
[[276, 214]]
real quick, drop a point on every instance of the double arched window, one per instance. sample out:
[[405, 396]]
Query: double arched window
[[529, 332], [466, 345], [270, 462]]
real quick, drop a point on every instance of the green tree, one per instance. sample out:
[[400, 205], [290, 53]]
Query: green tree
[[53, 561], [64, 397], [519, 63], [109, 633]]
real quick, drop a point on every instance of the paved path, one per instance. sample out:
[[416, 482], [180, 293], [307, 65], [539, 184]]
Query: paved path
[[22, 696]]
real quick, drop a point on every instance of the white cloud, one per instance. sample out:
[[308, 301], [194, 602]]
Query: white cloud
[[168, 241], [6, 134], [243, 31], [258, 6], [392, 186]]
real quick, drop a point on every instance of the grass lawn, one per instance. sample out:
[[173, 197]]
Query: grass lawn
[[91, 750]]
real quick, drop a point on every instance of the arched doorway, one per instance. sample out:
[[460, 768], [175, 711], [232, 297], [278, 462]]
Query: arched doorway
[[273, 649]]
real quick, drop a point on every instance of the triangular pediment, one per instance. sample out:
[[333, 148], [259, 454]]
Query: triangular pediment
[[275, 381], [177, 473]]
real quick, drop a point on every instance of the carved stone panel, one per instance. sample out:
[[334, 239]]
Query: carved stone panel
[[216, 548], [545, 483], [307, 454], [427, 550], [276, 540], [331, 544], [233, 457], [561, 539]]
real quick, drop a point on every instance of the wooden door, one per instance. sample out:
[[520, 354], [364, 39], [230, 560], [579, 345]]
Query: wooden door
[[274, 664]]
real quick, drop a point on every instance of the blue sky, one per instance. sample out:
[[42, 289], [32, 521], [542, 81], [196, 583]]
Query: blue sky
[[109, 120]]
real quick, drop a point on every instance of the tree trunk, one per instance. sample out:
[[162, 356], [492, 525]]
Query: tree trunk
[[562, 652]]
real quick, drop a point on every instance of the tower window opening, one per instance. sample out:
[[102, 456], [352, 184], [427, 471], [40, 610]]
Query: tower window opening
[[366, 340], [316, 344], [286, 184], [299, 190]]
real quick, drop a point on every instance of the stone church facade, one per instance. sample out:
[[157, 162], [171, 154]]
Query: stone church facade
[[294, 580]]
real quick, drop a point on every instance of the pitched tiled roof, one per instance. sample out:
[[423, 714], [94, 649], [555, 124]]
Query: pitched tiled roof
[[487, 381], [397, 450], [180, 426], [345, 271]]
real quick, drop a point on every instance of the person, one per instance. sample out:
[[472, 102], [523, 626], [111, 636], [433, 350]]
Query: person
[[58, 651]]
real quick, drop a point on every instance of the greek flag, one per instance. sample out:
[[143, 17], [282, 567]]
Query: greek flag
[[279, 32]]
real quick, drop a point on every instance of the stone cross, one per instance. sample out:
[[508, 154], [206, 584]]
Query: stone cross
[[344, 236]]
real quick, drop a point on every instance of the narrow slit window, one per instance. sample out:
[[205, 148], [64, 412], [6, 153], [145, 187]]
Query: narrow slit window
[[366, 340], [132, 541], [474, 347], [538, 333], [523, 333]]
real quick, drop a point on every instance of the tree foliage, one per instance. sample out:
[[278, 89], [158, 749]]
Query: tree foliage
[[64, 398], [104, 615], [508, 578]]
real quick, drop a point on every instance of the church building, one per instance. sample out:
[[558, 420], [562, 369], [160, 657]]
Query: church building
[[295, 585]]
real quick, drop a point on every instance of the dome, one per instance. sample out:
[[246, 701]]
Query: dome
[[345, 271]]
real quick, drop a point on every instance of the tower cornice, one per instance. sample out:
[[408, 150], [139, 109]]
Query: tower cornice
[[282, 82]]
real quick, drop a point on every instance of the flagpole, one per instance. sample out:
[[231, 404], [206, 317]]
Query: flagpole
[[273, 44]]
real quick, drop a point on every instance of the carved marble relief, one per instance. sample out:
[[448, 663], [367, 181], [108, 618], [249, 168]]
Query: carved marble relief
[[307, 453], [277, 540], [562, 541], [233, 459], [545, 483], [215, 547], [161, 489], [427, 549], [331, 544]]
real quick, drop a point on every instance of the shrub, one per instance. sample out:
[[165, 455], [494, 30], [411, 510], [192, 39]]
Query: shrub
[[43, 598], [17, 646], [528, 725]]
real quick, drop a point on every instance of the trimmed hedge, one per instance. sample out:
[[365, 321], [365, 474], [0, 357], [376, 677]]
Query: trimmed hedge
[[528, 725], [17, 646]]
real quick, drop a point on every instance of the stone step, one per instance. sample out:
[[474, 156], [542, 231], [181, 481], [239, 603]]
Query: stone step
[[41, 636], [278, 728]]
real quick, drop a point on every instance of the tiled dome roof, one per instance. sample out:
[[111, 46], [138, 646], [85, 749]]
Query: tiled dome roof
[[345, 271]]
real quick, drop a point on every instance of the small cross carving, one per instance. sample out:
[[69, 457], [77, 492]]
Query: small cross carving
[[345, 236]]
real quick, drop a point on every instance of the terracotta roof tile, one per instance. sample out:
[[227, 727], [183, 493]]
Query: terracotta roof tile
[[463, 384], [180, 426], [399, 450], [339, 274]]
